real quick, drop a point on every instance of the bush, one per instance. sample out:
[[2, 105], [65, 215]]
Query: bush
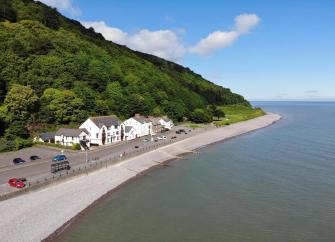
[[76, 147], [201, 116], [22, 143]]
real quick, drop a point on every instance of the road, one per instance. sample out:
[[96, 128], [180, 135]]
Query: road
[[42, 166]]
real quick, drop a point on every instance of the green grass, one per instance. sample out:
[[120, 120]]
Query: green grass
[[238, 113], [193, 125]]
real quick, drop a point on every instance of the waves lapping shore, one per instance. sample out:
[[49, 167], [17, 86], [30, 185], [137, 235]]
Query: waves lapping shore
[[40, 213]]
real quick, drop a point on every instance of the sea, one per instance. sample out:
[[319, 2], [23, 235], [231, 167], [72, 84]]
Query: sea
[[275, 184]]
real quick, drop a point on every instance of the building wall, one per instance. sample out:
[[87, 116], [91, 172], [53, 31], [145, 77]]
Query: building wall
[[140, 129], [113, 134]]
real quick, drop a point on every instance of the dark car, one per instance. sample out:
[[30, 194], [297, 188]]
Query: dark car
[[59, 158], [34, 157], [178, 132], [136, 147], [17, 161]]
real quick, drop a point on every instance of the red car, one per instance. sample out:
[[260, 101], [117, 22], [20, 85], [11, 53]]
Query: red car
[[18, 183]]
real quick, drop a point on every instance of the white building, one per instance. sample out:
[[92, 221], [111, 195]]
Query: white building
[[129, 133], [104, 129], [45, 137], [142, 125], [166, 123], [68, 137]]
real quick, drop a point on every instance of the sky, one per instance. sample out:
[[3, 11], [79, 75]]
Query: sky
[[262, 49]]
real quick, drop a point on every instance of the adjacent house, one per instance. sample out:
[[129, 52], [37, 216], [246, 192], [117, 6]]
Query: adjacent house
[[68, 137], [158, 123], [166, 123], [141, 124], [104, 129], [45, 137]]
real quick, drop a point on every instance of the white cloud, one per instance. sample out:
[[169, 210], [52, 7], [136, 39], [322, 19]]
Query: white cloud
[[222, 39], [114, 34], [64, 5], [169, 45], [163, 43]]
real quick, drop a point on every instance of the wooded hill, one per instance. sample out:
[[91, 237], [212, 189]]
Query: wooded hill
[[55, 71]]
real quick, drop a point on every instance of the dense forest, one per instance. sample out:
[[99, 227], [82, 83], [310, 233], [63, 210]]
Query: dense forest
[[54, 71]]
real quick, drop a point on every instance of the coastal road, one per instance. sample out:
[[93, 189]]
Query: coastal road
[[41, 167]]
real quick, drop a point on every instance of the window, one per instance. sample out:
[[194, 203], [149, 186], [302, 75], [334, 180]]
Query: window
[[117, 132], [97, 135]]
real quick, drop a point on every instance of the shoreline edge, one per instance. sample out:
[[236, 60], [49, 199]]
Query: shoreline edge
[[47, 213]]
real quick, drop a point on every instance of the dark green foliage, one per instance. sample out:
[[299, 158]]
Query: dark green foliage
[[7, 12], [73, 73], [215, 111], [201, 116]]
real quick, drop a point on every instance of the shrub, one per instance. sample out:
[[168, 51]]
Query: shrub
[[201, 116], [76, 147]]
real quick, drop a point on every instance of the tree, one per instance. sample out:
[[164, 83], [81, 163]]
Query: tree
[[63, 105], [216, 111], [21, 101], [201, 116]]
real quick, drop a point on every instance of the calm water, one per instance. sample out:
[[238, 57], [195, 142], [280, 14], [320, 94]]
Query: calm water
[[277, 184]]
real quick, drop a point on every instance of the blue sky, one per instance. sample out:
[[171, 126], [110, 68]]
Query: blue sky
[[262, 49]]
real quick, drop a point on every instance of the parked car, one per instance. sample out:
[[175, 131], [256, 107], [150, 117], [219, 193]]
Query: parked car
[[164, 130], [17, 161], [34, 157], [145, 140], [136, 147], [173, 137], [59, 158], [18, 183], [178, 132], [161, 137]]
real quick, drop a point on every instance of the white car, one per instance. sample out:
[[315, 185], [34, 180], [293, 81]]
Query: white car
[[145, 140], [161, 137]]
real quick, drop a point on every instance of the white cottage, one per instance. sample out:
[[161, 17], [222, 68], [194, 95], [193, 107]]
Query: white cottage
[[129, 133], [166, 123], [142, 125], [104, 129], [68, 137]]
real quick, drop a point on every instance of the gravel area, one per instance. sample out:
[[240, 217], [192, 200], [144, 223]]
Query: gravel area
[[36, 215]]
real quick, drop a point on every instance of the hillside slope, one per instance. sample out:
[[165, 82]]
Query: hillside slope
[[74, 72]]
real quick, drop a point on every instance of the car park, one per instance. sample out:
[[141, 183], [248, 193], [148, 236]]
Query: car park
[[59, 158], [18, 183], [34, 157], [17, 161]]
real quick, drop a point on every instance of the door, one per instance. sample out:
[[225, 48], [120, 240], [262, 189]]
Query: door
[[103, 137]]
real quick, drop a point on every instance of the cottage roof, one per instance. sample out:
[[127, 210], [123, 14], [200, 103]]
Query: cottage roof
[[70, 132], [128, 129], [141, 119], [108, 121], [154, 120], [47, 136]]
